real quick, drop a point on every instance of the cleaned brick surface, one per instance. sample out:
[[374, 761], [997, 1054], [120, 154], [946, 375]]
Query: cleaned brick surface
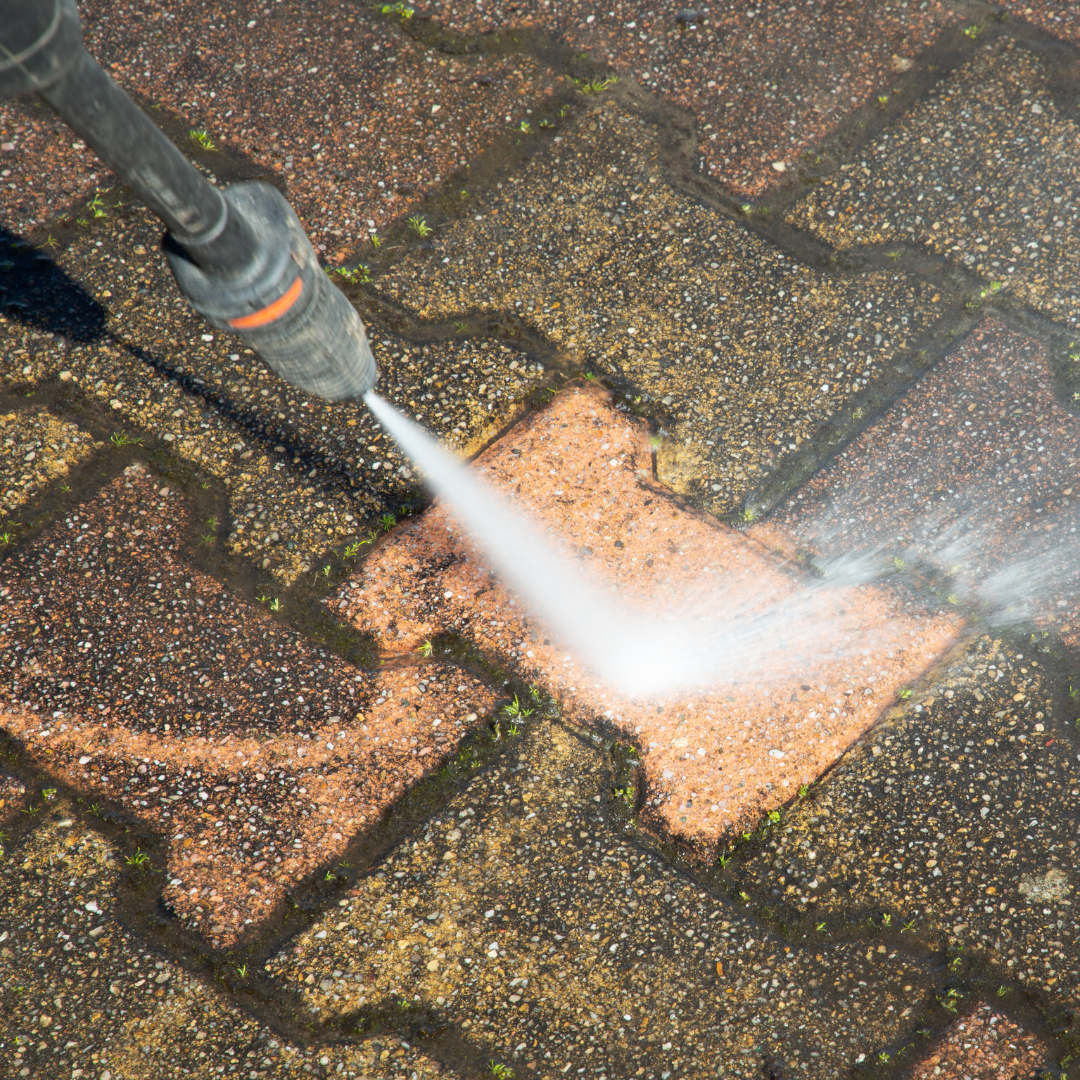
[[714, 759]]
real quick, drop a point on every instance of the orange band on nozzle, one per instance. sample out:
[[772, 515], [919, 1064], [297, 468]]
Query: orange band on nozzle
[[272, 311]]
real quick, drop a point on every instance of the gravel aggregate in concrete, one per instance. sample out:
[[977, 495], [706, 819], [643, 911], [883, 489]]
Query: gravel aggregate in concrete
[[253, 755], [982, 172], [81, 995], [536, 922], [739, 350], [36, 448]]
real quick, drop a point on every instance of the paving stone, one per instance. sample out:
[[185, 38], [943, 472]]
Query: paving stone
[[957, 821], [44, 165], [580, 470], [765, 81], [36, 448], [982, 171], [353, 117], [739, 350], [538, 923], [974, 472], [254, 756], [83, 996], [984, 1045]]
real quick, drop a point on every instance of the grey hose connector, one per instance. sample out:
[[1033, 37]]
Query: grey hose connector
[[240, 256]]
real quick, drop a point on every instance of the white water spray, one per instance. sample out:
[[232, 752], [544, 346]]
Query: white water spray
[[724, 633]]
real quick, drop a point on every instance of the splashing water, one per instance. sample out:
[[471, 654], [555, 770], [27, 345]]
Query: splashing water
[[732, 631]]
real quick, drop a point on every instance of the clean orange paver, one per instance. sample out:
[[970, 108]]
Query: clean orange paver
[[714, 758]]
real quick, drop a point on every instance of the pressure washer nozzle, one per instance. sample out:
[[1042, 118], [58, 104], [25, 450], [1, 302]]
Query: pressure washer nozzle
[[282, 304]]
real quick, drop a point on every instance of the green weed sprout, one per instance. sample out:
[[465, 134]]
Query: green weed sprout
[[820, 926], [500, 1072], [595, 86], [905, 694], [426, 649], [973, 31], [360, 276], [242, 969], [387, 521], [275, 604], [515, 711], [140, 858], [203, 139], [419, 225], [122, 438], [399, 9], [525, 127]]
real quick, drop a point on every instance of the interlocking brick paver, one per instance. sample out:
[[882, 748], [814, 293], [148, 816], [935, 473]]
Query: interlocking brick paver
[[976, 470], [572, 908], [256, 757], [83, 995], [984, 1045], [355, 119], [765, 81], [714, 758], [740, 350], [592, 953], [983, 171], [966, 799]]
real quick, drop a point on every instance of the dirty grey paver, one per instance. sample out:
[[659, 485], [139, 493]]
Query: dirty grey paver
[[982, 172], [82, 995], [532, 916], [956, 817]]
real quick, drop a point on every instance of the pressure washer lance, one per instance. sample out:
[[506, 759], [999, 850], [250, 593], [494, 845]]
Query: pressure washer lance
[[239, 255]]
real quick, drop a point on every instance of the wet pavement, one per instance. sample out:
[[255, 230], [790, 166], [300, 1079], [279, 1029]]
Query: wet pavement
[[292, 784]]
